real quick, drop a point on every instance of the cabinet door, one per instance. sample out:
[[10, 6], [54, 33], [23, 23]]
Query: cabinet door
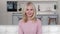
[[45, 20], [15, 20]]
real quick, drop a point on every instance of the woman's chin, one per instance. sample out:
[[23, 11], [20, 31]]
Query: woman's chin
[[29, 15]]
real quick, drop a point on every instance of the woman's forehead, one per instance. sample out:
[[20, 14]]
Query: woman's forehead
[[30, 7]]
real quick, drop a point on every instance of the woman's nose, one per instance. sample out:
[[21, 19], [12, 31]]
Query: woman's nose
[[29, 10]]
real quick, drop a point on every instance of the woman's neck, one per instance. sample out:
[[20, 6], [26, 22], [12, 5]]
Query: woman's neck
[[29, 19]]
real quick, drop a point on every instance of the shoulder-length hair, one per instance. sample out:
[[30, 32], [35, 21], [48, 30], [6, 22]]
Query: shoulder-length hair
[[33, 18]]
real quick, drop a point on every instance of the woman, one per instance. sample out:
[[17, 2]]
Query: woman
[[29, 24]]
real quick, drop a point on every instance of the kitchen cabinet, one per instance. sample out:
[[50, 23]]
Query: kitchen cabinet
[[44, 18]]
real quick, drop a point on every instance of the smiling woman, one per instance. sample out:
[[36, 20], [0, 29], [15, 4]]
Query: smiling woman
[[29, 24]]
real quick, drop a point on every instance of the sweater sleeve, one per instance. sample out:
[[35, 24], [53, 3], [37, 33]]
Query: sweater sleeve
[[39, 27], [20, 31]]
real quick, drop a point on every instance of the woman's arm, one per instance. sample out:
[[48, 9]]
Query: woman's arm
[[20, 31], [39, 27]]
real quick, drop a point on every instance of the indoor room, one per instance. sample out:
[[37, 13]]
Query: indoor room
[[47, 11]]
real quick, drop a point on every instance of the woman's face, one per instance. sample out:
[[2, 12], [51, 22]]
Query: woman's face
[[29, 11]]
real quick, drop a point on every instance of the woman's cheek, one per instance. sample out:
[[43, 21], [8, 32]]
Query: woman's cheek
[[26, 13], [29, 13], [32, 12]]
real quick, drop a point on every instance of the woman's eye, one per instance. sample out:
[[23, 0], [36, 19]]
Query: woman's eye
[[27, 9], [31, 9]]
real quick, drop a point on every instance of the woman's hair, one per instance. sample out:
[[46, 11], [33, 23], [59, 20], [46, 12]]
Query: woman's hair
[[33, 18]]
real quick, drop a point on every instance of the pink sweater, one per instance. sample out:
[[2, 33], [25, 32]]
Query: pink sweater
[[30, 28]]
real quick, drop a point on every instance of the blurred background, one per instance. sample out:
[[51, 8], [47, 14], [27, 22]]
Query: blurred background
[[48, 11]]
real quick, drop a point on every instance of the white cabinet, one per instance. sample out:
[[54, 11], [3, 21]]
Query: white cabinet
[[16, 18], [44, 18]]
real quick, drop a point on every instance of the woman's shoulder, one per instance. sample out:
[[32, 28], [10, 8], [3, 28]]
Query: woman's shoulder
[[38, 21], [21, 21]]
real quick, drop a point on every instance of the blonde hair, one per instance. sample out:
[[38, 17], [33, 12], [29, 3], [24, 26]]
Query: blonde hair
[[33, 18]]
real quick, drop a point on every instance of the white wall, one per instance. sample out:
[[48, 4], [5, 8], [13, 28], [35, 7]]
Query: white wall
[[3, 13], [6, 17]]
